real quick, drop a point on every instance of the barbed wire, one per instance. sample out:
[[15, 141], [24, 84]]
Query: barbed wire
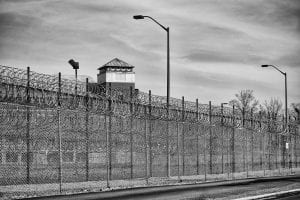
[[26, 87]]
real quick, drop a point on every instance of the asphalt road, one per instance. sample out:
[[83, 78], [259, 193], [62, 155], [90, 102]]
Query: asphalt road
[[289, 196], [294, 197], [219, 190]]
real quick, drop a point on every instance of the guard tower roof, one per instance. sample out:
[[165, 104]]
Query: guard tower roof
[[116, 63]]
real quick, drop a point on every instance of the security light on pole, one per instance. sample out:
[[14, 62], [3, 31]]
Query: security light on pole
[[75, 66], [138, 17]]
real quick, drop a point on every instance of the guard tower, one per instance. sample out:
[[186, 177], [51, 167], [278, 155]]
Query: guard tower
[[117, 72]]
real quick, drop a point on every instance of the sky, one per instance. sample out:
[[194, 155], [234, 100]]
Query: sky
[[216, 46]]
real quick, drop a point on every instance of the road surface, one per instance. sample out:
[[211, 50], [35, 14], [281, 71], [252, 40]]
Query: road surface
[[219, 190]]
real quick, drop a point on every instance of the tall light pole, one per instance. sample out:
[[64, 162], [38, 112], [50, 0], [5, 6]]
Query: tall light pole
[[75, 66], [285, 93], [168, 79]]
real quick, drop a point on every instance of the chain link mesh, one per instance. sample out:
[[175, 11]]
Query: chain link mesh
[[51, 133]]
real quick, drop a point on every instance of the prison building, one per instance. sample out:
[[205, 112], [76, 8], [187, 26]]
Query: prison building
[[118, 74]]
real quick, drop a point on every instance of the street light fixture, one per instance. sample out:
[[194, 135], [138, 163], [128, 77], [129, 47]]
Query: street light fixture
[[75, 66], [167, 29], [138, 17]]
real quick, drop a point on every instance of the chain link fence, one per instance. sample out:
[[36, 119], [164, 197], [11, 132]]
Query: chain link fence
[[50, 135]]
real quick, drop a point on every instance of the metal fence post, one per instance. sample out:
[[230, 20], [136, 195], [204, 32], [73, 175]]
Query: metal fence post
[[107, 151], [59, 133], [232, 142], [205, 160], [261, 141], [108, 137], [183, 146], [247, 166], [131, 132], [290, 150], [283, 148], [210, 139], [269, 147], [244, 140], [228, 153], [178, 151], [278, 152], [264, 152], [222, 139], [252, 138], [28, 127], [86, 132], [295, 150], [197, 135], [150, 135], [168, 143], [146, 144]]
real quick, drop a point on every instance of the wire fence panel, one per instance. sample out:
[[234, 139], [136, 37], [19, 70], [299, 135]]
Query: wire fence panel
[[73, 135], [297, 151], [227, 150], [28, 145], [174, 138], [51, 133], [238, 150], [159, 148], [96, 148], [43, 146], [255, 152], [217, 146], [189, 149], [121, 133], [138, 149]]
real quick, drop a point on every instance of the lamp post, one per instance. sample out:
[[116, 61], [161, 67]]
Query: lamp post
[[285, 95], [75, 66], [167, 29]]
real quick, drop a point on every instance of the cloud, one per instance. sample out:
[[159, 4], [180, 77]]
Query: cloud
[[11, 23], [223, 56], [291, 59], [196, 78], [283, 14], [46, 33]]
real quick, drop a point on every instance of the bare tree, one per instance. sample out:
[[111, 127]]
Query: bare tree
[[272, 108], [245, 101], [296, 107]]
